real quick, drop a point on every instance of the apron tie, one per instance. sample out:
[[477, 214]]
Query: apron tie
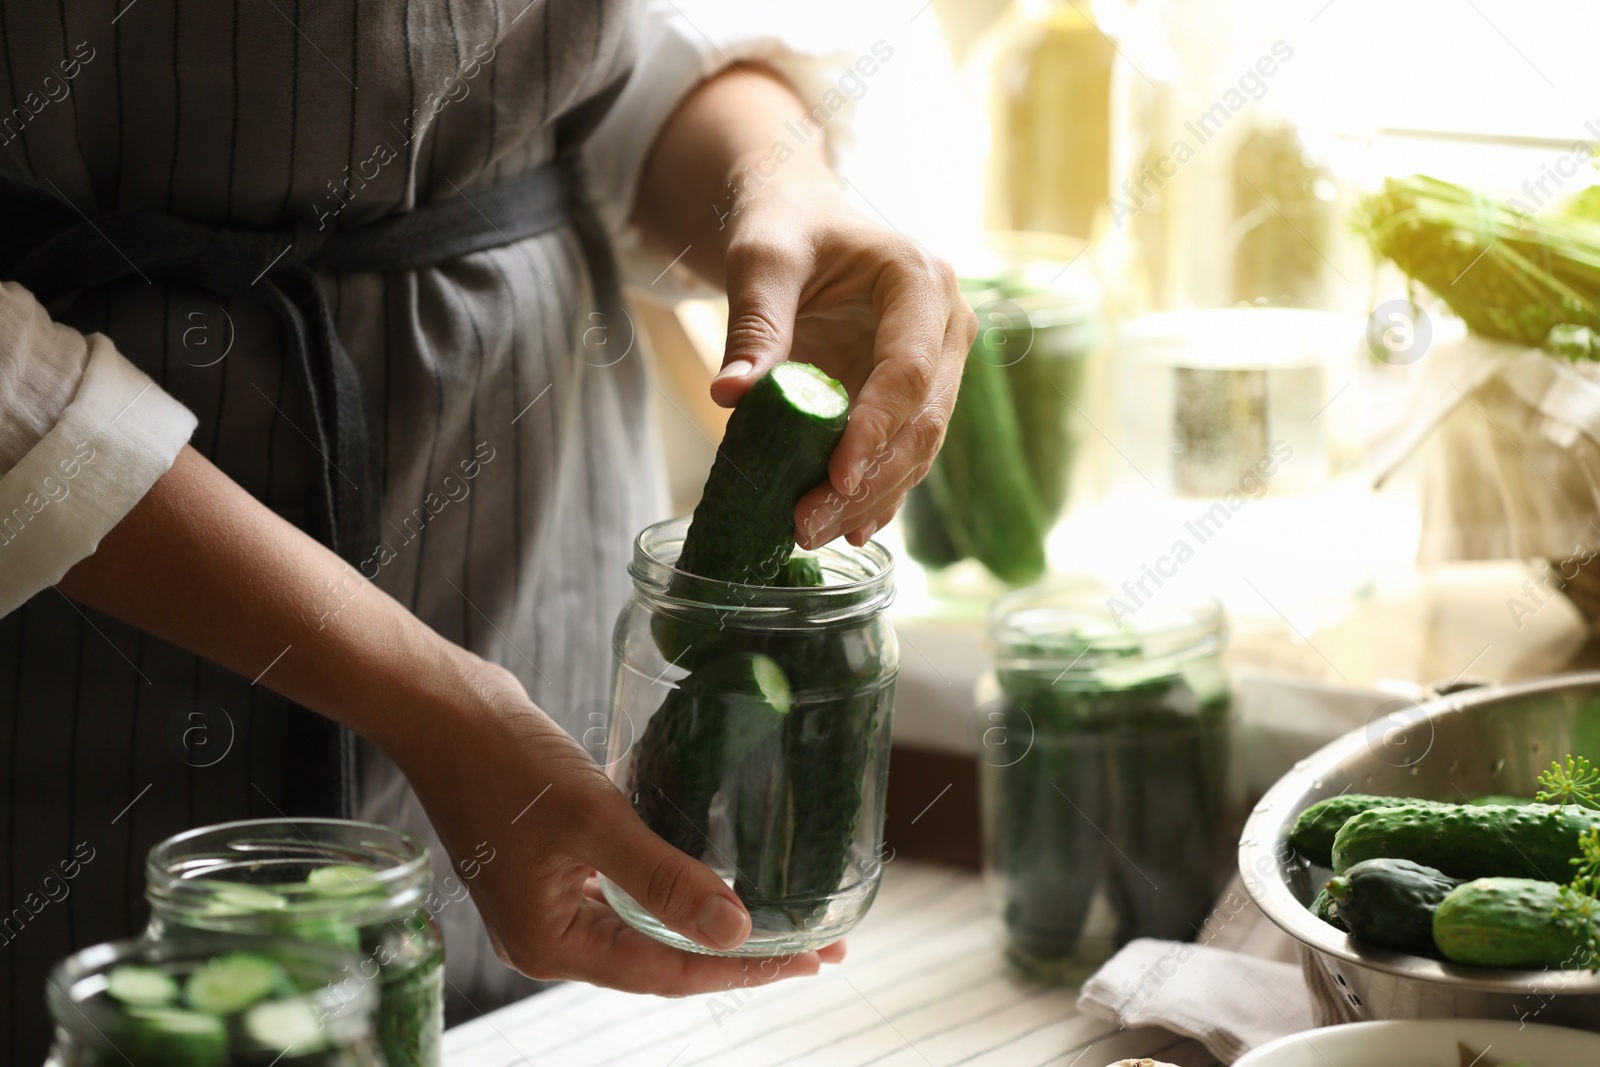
[[61, 252]]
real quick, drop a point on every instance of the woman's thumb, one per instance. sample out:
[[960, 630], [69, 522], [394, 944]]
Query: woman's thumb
[[682, 892], [763, 294]]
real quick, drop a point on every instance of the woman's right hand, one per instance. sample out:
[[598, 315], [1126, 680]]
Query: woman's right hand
[[495, 772]]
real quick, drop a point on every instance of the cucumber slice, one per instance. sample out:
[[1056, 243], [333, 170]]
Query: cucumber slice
[[173, 1037], [240, 899], [146, 986], [287, 1026], [233, 982], [776, 448], [341, 880]]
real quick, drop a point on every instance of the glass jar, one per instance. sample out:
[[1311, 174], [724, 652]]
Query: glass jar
[[750, 728], [317, 1017], [1106, 780], [350, 884], [1003, 476]]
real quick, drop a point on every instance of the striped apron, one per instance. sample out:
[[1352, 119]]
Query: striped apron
[[512, 442]]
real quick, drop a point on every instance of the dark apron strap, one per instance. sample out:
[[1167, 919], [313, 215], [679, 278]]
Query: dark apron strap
[[277, 268]]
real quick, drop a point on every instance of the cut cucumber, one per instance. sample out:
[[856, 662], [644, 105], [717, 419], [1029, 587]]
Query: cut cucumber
[[233, 982], [697, 739], [173, 1037], [241, 899], [145, 986], [288, 1026], [803, 571], [776, 448], [341, 880]]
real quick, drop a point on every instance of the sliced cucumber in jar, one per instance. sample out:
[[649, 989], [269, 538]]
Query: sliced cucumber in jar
[[173, 1037], [146, 986], [233, 982], [341, 879], [236, 900], [289, 1026]]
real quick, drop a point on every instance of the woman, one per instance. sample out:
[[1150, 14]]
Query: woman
[[390, 473]]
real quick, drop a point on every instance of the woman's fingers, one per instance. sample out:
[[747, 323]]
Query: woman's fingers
[[923, 331], [764, 283], [682, 892], [607, 951]]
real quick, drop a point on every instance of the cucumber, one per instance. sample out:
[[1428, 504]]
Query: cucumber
[[173, 1037], [697, 738], [927, 541], [1506, 922], [802, 571], [232, 983], [147, 986], [1532, 841], [289, 1027], [342, 880], [797, 804], [1043, 383], [1326, 908], [776, 448], [1501, 801], [1313, 832], [1390, 903], [984, 493]]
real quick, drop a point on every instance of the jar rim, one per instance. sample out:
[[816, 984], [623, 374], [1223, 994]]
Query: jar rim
[[177, 868], [1083, 633], [867, 587], [75, 979]]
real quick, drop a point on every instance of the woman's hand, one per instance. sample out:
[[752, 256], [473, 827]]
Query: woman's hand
[[553, 819], [734, 191], [810, 278]]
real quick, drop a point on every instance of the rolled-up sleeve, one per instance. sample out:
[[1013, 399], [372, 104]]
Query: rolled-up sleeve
[[683, 42], [84, 434]]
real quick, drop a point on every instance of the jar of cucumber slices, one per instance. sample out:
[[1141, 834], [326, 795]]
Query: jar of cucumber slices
[[211, 1001], [750, 728], [353, 885]]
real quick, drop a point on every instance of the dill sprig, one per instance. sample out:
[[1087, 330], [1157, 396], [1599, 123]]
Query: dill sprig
[[1576, 783]]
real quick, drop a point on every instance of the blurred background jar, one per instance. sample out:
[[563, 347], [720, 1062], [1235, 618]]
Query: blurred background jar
[[355, 885], [124, 1004], [750, 728], [1107, 787], [1005, 472]]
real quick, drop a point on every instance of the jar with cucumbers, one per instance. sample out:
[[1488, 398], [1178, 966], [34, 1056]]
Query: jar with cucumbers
[[1003, 475], [353, 885], [754, 682], [211, 1001], [1107, 787]]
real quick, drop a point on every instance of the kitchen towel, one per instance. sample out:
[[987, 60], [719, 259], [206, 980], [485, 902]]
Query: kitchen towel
[[1244, 982], [1228, 1001]]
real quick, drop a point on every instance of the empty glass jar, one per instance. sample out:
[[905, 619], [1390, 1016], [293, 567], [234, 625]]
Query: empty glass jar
[[750, 728], [350, 884], [161, 1004], [1106, 780]]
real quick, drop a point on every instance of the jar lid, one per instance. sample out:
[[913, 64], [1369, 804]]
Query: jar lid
[[1097, 636]]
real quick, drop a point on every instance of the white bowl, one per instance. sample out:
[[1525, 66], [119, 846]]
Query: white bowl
[[1429, 1043]]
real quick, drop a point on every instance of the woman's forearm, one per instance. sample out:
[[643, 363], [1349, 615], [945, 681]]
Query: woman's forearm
[[735, 133], [201, 563]]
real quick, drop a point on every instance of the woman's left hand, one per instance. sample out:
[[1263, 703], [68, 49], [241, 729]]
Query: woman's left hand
[[810, 278]]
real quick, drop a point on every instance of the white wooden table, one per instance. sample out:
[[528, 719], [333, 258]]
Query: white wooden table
[[924, 986]]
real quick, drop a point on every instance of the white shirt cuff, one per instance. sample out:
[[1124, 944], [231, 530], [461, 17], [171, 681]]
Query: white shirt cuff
[[120, 433], [682, 43]]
